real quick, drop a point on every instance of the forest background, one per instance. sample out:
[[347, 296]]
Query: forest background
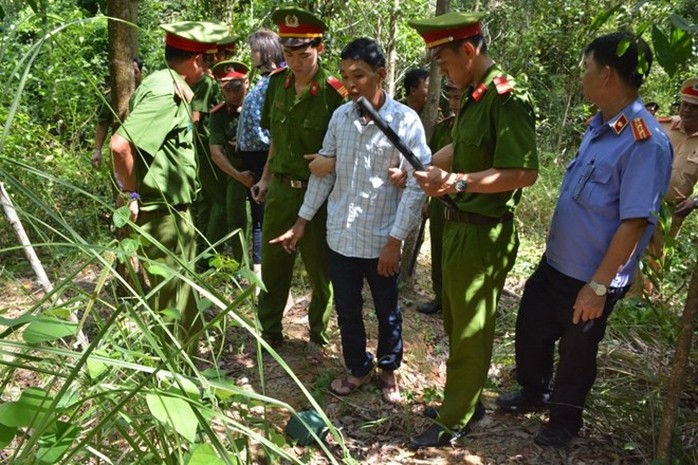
[[63, 404]]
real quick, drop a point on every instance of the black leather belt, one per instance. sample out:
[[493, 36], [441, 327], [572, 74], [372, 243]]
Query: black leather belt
[[475, 218], [292, 183]]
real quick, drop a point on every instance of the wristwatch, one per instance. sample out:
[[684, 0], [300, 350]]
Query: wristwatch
[[461, 184], [598, 288]]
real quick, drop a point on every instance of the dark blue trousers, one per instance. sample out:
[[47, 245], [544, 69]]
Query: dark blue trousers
[[545, 316], [347, 275]]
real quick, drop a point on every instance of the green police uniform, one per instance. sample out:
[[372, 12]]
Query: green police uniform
[[160, 129], [297, 125], [494, 128], [440, 138], [210, 204], [223, 125]]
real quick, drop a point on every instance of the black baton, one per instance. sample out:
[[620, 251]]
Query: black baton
[[367, 108]]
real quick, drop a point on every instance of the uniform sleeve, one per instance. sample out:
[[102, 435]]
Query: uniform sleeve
[[644, 180], [409, 209], [516, 133], [265, 117], [150, 121], [216, 129]]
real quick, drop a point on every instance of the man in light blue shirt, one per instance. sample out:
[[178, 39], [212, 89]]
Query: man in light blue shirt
[[607, 209], [367, 216]]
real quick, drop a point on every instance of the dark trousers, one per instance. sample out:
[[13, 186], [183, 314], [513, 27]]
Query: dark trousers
[[254, 161], [347, 275], [545, 316]]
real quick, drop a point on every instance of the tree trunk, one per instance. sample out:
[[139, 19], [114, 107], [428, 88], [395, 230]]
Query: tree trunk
[[123, 47], [678, 370], [391, 50], [413, 242]]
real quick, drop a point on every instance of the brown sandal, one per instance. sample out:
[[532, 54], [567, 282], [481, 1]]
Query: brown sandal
[[389, 387], [348, 384]]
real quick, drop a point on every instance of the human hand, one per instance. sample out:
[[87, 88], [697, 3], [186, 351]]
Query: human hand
[[397, 177], [319, 165], [290, 238], [435, 182], [686, 206], [389, 259], [588, 305], [259, 191], [246, 178]]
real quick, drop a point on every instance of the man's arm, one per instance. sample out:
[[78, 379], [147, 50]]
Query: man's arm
[[100, 137], [124, 170], [588, 305], [246, 178], [259, 190], [437, 182]]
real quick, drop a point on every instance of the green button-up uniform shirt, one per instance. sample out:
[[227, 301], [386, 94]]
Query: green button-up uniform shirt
[[297, 124], [159, 126], [222, 128], [493, 129]]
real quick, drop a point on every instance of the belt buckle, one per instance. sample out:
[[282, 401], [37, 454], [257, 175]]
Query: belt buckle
[[296, 184]]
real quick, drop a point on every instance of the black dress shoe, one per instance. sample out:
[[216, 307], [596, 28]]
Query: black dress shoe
[[478, 414], [552, 436], [430, 308], [519, 402], [434, 436]]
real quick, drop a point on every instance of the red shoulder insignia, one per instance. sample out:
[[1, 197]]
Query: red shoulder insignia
[[314, 88], [479, 92], [503, 85], [619, 124], [217, 107], [640, 129], [665, 119], [336, 85], [278, 70]]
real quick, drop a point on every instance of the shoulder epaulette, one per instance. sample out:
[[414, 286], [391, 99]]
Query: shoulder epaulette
[[665, 119], [336, 85], [503, 85], [217, 107], [640, 129], [278, 71]]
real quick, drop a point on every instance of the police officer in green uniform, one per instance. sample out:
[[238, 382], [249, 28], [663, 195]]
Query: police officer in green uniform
[[492, 157], [223, 125], [297, 109], [155, 166], [440, 138], [210, 204]]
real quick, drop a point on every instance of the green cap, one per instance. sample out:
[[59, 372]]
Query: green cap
[[229, 43], [230, 70], [195, 36], [297, 26], [448, 27]]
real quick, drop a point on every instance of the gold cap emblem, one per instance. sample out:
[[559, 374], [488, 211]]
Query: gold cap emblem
[[291, 20]]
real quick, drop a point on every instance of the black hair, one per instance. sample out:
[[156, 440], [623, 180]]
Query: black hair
[[366, 50], [413, 78], [267, 44], [177, 55], [628, 54], [137, 60], [477, 40], [652, 105]]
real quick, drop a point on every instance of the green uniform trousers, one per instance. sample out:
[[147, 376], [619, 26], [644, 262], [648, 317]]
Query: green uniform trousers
[[436, 237], [236, 216], [476, 260], [174, 232], [210, 204], [281, 212]]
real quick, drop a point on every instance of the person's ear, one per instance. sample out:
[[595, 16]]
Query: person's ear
[[382, 72], [320, 48]]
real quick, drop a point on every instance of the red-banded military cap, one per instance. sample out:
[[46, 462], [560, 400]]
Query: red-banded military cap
[[689, 91], [449, 27], [229, 43], [228, 70], [297, 26], [194, 36]]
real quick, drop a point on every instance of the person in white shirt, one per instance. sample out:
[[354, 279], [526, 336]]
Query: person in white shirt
[[367, 216]]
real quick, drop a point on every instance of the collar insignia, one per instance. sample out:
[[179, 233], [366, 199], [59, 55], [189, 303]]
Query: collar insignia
[[620, 124], [479, 92]]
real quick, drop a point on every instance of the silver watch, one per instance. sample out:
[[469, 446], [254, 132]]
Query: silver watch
[[598, 288]]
